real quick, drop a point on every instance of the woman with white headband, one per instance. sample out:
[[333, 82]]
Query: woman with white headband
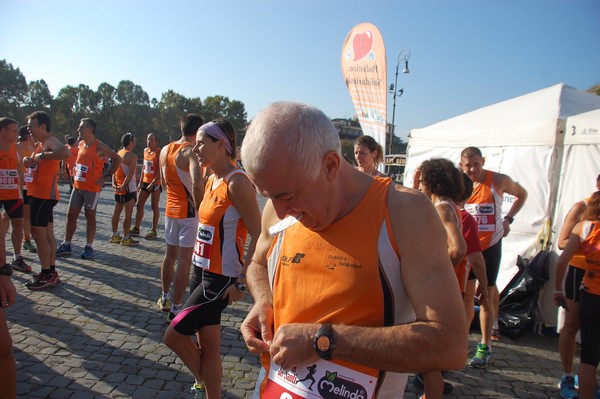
[[228, 214]]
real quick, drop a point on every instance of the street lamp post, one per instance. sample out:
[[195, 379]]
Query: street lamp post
[[404, 56]]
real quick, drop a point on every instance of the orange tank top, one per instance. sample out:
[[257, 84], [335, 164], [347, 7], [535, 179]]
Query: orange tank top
[[121, 175], [150, 164], [578, 260], [88, 168], [590, 247], [485, 205], [347, 273], [222, 233], [45, 178], [180, 202], [9, 176]]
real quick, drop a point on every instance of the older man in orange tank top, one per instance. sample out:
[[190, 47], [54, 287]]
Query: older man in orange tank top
[[344, 268]]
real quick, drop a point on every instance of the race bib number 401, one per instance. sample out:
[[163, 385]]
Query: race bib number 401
[[203, 246]]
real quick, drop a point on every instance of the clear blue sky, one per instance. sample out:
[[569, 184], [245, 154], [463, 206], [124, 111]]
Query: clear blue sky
[[466, 54]]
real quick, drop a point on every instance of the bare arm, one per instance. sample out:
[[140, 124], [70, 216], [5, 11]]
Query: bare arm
[[440, 323], [196, 174], [563, 261], [161, 163], [509, 186], [477, 263], [105, 151], [571, 220], [243, 197], [457, 247], [53, 150], [257, 328]]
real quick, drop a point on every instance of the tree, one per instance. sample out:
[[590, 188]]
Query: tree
[[171, 107], [13, 91], [73, 103], [39, 96], [234, 111]]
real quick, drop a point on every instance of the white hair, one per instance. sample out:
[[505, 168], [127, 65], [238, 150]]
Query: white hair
[[301, 131]]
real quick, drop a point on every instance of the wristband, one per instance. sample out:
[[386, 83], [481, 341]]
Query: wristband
[[558, 291], [509, 218]]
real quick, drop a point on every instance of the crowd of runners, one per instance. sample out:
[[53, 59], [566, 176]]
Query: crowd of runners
[[340, 263]]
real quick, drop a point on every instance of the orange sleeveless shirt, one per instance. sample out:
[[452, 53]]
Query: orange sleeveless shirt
[[151, 161], [485, 205], [222, 233], [45, 178], [348, 273], [180, 203], [9, 177], [88, 168]]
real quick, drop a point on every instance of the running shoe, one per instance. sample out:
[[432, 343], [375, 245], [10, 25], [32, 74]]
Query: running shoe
[[199, 391], [115, 239], [483, 356], [496, 334], [164, 304], [28, 246], [567, 387], [43, 280], [64, 250], [134, 232], [151, 235], [20, 265], [88, 252], [128, 242]]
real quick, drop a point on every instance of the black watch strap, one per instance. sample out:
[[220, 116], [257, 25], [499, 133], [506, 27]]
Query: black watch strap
[[6, 270], [323, 342]]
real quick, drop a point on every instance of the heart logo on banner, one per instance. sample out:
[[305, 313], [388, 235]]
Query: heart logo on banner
[[362, 44]]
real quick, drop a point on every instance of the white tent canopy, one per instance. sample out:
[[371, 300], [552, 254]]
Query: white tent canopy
[[521, 137]]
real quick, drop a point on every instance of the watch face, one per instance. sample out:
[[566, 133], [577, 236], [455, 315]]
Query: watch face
[[323, 343]]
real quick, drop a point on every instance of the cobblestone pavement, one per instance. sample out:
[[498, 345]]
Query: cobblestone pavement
[[98, 333]]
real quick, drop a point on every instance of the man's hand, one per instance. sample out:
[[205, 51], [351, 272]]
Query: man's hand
[[293, 345], [506, 225], [257, 328], [8, 292]]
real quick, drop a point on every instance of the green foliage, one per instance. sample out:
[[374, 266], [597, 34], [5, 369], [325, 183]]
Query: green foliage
[[116, 110], [13, 91]]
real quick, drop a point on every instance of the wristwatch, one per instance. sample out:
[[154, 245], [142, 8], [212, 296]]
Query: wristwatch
[[6, 270], [241, 286], [323, 342], [509, 218]]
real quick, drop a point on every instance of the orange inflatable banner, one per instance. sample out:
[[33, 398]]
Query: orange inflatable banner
[[364, 69]]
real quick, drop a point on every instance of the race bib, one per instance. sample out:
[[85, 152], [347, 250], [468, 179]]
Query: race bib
[[149, 167], [203, 246], [322, 379], [484, 214], [28, 175], [81, 172], [9, 179]]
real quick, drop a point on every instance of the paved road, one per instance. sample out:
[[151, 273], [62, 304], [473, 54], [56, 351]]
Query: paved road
[[98, 334]]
